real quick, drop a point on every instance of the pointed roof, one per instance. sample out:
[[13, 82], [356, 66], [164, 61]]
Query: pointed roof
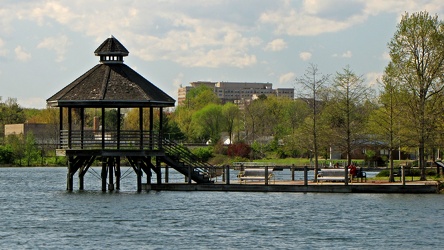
[[111, 85], [111, 46]]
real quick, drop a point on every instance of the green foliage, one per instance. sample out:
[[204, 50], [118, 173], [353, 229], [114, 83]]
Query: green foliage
[[6, 155], [204, 153]]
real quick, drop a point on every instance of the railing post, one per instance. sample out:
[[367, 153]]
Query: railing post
[[266, 175], [292, 172], [403, 175], [227, 174], [189, 174], [305, 175]]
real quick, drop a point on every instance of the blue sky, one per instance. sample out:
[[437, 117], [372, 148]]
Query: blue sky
[[45, 45]]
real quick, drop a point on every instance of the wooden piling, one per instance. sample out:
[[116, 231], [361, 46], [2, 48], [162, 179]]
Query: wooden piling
[[104, 174], [111, 174]]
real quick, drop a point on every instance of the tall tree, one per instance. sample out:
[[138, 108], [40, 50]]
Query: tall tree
[[208, 122], [313, 81], [417, 55], [230, 113], [384, 121], [346, 111]]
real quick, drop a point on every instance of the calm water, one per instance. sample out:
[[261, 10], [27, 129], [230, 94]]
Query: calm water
[[37, 213]]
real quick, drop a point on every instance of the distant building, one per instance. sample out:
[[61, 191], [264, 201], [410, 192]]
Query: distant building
[[44, 134], [237, 92]]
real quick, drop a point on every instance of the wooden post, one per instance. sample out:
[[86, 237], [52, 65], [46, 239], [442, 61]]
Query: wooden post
[[141, 127], [292, 172], [81, 179], [227, 174], [69, 179], [111, 174], [82, 126], [346, 175], [403, 175], [103, 128], [190, 168], [118, 174], [104, 174], [118, 127], [159, 171], [305, 175], [151, 128], [266, 175], [139, 177], [69, 127], [167, 175]]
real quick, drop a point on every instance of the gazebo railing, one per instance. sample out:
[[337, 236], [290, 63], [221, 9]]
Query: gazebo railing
[[110, 139]]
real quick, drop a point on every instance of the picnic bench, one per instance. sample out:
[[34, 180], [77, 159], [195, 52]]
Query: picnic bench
[[254, 174], [335, 174]]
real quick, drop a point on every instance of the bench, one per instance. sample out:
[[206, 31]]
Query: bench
[[398, 173], [336, 174], [254, 174]]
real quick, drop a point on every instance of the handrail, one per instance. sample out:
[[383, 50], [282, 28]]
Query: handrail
[[92, 139]]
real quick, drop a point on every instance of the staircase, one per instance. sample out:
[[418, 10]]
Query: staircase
[[181, 159]]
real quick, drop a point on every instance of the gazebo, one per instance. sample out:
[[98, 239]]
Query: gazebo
[[105, 91]]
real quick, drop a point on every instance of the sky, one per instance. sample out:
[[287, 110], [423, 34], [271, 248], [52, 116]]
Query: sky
[[45, 45]]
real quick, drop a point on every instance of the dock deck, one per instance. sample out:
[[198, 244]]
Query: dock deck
[[414, 187]]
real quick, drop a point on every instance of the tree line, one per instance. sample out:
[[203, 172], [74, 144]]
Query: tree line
[[335, 111]]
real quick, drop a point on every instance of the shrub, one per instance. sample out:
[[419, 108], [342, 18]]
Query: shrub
[[6, 155], [204, 153], [239, 149]]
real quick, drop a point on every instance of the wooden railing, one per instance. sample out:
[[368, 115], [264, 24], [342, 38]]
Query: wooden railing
[[96, 139]]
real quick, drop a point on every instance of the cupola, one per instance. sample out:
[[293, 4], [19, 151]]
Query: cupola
[[111, 51]]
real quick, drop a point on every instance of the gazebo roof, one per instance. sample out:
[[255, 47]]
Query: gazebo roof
[[111, 46], [111, 84]]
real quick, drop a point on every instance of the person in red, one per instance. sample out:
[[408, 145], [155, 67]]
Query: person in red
[[353, 171]]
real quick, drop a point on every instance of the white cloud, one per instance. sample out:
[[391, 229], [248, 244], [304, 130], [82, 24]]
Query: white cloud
[[21, 54], [3, 51], [371, 79], [288, 77], [276, 45], [307, 21], [347, 54], [59, 44], [385, 56], [305, 56]]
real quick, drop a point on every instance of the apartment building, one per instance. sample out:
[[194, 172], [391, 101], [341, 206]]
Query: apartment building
[[237, 91]]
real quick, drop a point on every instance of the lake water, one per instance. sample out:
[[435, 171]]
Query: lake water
[[37, 213]]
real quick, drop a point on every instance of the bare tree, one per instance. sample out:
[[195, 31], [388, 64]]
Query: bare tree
[[313, 82]]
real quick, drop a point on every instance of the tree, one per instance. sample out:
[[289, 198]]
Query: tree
[[384, 121], [417, 56], [230, 113], [208, 122], [199, 97], [313, 82], [347, 111], [10, 113]]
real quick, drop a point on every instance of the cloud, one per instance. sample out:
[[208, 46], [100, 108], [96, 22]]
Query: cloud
[[59, 44], [276, 45], [288, 77], [347, 54], [311, 19], [3, 51], [305, 56], [21, 54], [371, 79]]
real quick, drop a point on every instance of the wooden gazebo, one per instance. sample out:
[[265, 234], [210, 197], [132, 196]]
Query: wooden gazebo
[[113, 86]]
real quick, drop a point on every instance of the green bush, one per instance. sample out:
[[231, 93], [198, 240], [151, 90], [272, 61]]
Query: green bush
[[204, 153], [6, 155]]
